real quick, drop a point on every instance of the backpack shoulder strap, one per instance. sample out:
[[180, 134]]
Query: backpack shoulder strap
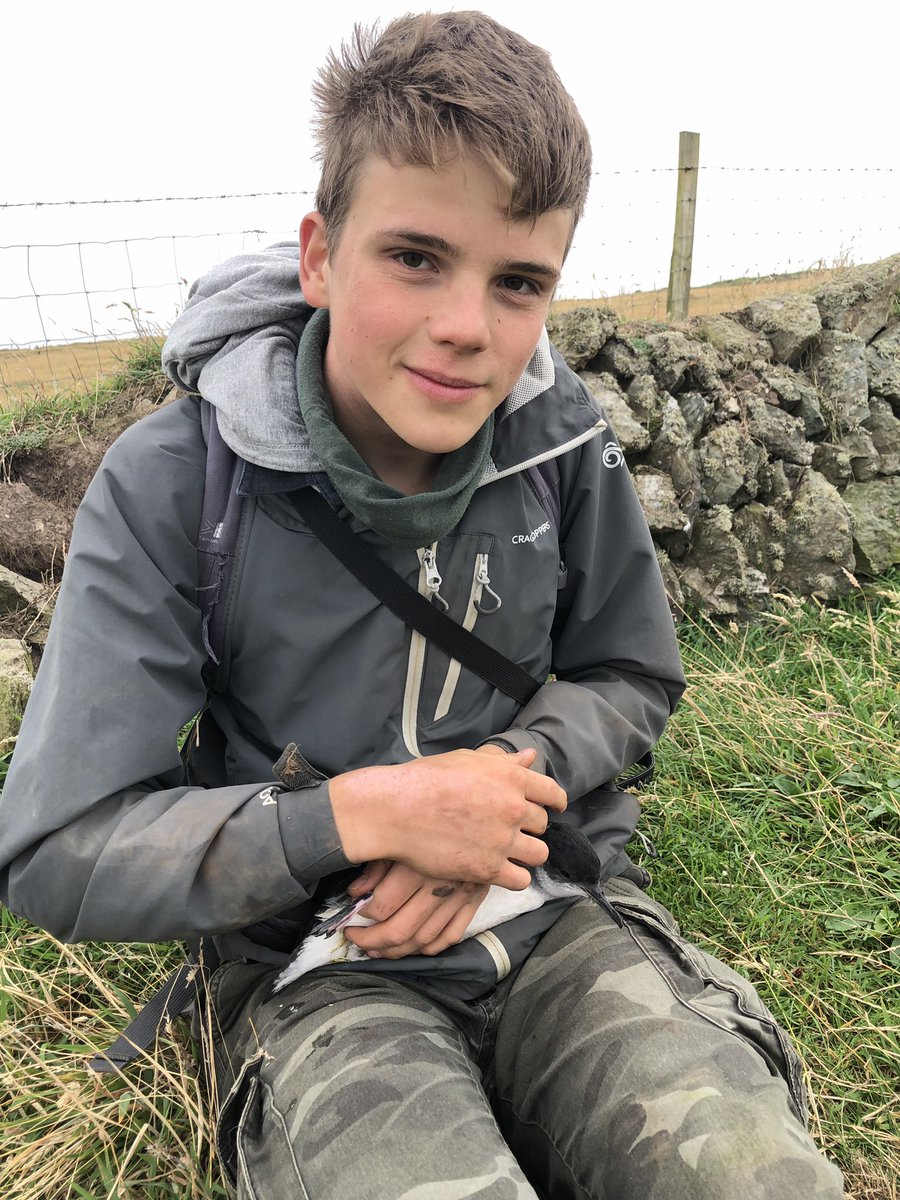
[[217, 541], [545, 483]]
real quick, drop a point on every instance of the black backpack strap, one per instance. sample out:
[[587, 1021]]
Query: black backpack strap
[[639, 779], [407, 604], [220, 520], [175, 997], [545, 482]]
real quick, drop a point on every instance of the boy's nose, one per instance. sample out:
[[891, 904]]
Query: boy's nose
[[462, 319]]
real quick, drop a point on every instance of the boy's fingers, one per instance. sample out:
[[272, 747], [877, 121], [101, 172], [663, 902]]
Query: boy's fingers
[[370, 877], [400, 885], [514, 877], [540, 789]]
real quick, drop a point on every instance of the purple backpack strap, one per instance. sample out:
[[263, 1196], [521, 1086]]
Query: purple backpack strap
[[220, 520], [545, 482]]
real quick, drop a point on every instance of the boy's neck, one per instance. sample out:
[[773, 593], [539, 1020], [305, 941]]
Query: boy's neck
[[400, 466], [410, 479]]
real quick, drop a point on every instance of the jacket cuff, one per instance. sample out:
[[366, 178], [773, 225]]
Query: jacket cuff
[[519, 739], [312, 847]]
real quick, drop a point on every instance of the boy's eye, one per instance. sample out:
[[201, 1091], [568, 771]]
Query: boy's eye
[[412, 259], [519, 285]]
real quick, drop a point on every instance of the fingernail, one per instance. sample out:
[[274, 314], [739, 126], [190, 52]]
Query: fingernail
[[374, 954]]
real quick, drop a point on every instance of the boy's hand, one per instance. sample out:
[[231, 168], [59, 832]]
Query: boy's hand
[[415, 914], [471, 815]]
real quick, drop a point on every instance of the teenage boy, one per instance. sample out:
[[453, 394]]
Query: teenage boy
[[412, 385]]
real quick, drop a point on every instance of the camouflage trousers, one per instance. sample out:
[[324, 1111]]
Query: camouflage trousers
[[617, 1063]]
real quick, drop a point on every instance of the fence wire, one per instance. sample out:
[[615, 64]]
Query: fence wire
[[88, 271]]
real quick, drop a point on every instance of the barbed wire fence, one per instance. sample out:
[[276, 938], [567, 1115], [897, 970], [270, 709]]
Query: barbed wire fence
[[84, 272]]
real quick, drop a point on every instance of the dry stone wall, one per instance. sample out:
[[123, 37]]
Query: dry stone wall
[[764, 444]]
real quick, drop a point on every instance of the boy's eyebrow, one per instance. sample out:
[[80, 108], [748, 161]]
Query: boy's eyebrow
[[431, 241]]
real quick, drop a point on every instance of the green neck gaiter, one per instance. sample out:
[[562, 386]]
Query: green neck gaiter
[[412, 521]]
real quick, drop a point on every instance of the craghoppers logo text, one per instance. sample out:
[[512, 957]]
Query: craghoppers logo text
[[519, 538]]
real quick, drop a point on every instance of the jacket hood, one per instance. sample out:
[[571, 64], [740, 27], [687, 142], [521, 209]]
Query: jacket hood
[[236, 345]]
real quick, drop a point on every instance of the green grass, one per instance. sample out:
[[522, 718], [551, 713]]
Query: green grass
[[45, 416], [777, 816]]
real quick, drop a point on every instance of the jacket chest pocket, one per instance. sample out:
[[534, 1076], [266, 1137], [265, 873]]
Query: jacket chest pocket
[[504, 595]]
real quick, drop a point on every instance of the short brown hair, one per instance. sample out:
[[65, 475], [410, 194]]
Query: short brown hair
[[433, 85]]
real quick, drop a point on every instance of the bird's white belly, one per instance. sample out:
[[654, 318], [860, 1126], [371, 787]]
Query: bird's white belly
[[498, 906]]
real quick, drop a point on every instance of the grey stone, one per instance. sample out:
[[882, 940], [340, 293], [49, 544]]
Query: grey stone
[[819, 541], [729, 462], [885, 430], [631, 435], [883, 365], [15, 686], [875, 507], [645, 401], [696, 410], [671, 584], [17, 592], [834, 463], [673, 452], [837, 366], [659, 502], [622, 359], [581, 333], [860, 449], [782, 435], [683, 364], [791, 323], [761, 530], [774, 488], [859, 300], [740, 346], [798, 396], [716, 577]]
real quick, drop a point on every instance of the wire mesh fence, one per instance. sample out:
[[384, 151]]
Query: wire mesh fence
[[85, 272]]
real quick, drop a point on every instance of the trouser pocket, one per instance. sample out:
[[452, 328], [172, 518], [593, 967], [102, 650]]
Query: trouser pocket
[[231, 1058], [710, 988], [233, 1114]]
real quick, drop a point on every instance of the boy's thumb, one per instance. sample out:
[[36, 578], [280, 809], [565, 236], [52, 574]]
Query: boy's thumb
[[526, 757]]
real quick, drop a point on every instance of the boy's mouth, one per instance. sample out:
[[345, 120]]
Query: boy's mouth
[[444, 387]]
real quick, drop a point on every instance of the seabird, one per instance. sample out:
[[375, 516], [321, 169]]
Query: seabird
[[572, 869]]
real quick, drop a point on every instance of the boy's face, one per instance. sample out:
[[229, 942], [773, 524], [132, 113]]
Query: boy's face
[[437, 303]]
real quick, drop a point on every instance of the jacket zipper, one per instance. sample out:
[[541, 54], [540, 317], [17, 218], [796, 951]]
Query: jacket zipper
[[429, 586], [480, 583]]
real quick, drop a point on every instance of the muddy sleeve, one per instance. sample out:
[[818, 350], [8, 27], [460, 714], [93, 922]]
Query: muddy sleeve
[[616, 664], [99, 836]]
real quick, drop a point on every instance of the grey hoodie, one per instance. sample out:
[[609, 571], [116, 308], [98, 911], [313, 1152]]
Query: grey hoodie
[[101, 838]]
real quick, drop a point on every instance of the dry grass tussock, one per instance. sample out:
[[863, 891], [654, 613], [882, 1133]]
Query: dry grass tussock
[[66, 1132]]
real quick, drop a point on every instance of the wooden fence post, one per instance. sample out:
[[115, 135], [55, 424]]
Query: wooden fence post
[[683, 243]]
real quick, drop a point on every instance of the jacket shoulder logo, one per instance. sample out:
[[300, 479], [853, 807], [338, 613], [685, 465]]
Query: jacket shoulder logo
[[612, 455]]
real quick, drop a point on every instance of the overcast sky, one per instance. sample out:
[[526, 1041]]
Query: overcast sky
[[105, 101]]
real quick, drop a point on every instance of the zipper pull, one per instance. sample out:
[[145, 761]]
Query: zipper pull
[[484, 585], [433, 579]]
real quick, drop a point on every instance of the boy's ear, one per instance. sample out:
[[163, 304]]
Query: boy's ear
[[314, 266]]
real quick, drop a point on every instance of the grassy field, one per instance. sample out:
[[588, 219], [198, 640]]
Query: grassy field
[[776, 813]]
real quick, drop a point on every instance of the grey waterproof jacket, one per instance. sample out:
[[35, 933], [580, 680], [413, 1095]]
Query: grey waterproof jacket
[[100, 836]]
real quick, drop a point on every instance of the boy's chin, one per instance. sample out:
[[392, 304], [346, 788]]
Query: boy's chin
[[437, 441]]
